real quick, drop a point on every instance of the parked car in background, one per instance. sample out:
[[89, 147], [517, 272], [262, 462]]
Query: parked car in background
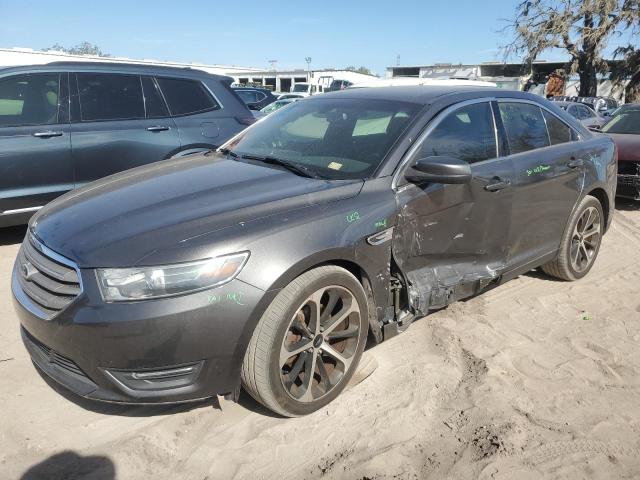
[[338, 85], [65, 124], [255, 98], [285, 96], [305, 89], [601, 105], [272, 261], [588, 117], [624, 129], [277, 105]]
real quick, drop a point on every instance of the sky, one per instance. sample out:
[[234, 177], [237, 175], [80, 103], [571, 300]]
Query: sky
[[252, 33]]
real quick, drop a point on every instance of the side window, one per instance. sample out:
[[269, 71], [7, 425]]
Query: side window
[[559, 132], [467, 133], [29, 99], [153, 102], [186, 96], [106, 96], [524, 125]]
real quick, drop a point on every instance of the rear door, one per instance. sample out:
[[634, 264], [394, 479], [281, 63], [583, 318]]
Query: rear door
[[199, 115], [35, 149], [548, 177], [450, 240], [119, 121]]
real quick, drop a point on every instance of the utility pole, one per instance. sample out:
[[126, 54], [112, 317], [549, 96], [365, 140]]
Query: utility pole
[[308, 60]]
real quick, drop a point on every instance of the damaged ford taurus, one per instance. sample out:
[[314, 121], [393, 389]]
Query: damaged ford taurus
[[337, 221]]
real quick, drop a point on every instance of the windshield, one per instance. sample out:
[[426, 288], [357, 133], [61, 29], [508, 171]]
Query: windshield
[[625, 121], [338, 139], [300, 87]]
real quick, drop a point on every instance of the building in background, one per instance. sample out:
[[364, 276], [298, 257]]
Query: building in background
[[286, 80], [26, 56], [514, 76]]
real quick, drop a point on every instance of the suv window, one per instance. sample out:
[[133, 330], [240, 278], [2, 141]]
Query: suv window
[[186, 96], [153, 103], [524, 125], [559, 132], [107, 96], [29, 99], [467, 133]]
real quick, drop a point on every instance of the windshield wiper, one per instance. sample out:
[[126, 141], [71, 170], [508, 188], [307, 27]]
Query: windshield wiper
[[228, 151], [296, 168]]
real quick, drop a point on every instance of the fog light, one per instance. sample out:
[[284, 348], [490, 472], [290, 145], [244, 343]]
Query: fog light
[[166, 378]]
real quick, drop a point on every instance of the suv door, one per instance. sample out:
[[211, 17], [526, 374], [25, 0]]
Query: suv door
[[450, 240], [35, 148], [198, 114], [548, 178], [118, 121]]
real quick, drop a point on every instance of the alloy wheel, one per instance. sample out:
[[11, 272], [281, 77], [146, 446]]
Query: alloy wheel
[[320, 343], [585, 240]]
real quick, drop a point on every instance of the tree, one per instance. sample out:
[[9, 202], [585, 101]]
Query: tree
[[363, 70], [84, 48], [627, 70], [580, 27]]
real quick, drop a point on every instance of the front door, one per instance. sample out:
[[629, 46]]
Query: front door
[[548, 178], [450, 240], [35, 148], [119, 121]]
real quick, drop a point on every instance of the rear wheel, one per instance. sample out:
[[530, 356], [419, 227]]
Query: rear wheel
[[308, 342], [580, 242]]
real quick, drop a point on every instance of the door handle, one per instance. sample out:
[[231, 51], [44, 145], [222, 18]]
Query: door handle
[[497, 184], [157, 128], [575, 163], [47, 134]]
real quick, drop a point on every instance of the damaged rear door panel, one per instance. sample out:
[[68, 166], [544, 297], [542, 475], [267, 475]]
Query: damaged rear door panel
[[450, 240]]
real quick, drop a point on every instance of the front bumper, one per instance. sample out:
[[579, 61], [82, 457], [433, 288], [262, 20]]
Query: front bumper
[[155, 351], [628, 186]]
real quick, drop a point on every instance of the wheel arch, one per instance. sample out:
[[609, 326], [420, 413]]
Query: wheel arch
[[600, 194]]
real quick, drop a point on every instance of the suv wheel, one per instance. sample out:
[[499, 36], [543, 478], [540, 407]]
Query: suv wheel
[[308, 342], [580, 242]]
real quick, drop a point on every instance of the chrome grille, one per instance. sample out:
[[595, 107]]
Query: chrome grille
[[49, 280]]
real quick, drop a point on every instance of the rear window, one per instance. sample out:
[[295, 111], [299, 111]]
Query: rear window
[[524, 125], [153, 102], [105, 96], [186, 96], [559, 132]]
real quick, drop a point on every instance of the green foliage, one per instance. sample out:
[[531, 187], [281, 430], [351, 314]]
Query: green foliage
[[84, 48]]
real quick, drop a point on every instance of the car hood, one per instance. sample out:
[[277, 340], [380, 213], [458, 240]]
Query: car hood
[[130, 218], [628, 146]]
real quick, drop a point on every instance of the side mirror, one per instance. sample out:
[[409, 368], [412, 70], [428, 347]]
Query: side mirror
[[447, 170]]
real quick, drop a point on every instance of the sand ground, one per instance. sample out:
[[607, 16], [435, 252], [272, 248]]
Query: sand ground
[[534, 379]]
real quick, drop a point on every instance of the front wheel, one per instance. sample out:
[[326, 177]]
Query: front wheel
[[580, 242], [308, 342]]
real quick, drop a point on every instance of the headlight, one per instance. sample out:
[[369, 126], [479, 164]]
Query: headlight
[[120, 284]]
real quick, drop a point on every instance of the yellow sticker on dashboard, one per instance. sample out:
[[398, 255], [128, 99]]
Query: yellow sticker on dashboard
[[335, 166]]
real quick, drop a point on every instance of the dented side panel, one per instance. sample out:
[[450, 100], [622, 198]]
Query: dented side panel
[[451, 240]]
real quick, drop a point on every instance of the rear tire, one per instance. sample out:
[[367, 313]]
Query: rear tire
[[580, 242], [308, 342]]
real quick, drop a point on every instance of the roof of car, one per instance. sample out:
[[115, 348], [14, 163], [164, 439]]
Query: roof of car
[[424, 94], [111, 66]]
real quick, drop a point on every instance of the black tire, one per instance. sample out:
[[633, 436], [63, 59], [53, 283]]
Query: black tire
[[563, 267], [263, 374]]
